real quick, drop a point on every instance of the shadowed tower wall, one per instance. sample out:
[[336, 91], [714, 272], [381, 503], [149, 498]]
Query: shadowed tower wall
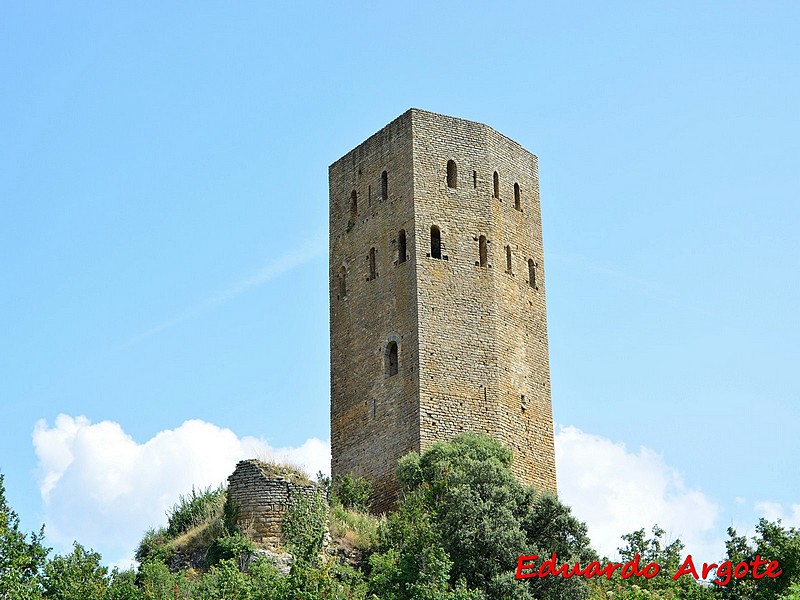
[[438, 321]]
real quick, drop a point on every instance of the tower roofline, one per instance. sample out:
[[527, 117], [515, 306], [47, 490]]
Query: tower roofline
[[411, 112]]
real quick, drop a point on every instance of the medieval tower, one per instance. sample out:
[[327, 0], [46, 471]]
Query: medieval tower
[[437, 299]]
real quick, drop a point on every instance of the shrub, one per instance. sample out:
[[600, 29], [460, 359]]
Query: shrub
[[305, 525], [235, 547], [195, 509], [154, 547], [352, 493]]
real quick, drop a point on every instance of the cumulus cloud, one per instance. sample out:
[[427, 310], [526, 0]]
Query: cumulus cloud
[[104, 489], [617, 491]]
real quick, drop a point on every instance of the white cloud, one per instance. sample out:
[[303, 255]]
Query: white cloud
[[104, 489], [616, 491], [772, 511]]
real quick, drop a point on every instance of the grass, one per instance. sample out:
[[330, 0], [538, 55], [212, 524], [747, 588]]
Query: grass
[[200, 536], [353, 528], [288, 470], [195, 522], [198, 508]]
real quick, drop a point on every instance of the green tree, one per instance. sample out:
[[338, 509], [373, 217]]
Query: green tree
[[413, 565], [793, 593], [771, 542], [122, 586], [477, 518], [76, 576], [667, 555], [21, 559]]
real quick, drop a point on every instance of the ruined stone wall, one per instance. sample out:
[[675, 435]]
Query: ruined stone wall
[[472, 338], [259, 495]]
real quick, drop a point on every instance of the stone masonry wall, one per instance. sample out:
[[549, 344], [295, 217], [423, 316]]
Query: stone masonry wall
[[374, 416], [260, 494], [471, 337], [484, 363]]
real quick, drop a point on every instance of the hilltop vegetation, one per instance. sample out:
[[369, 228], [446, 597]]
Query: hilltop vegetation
[[457, 533]]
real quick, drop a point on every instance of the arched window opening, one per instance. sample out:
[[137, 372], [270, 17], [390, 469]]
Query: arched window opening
[[401, 246], [391, 359], [452, 174], [342, 283], [353, 204], [517, 198], [532, 273], [508, 259], [482, 251], [384, 186], [436, 242], [372, 272], [496, 191]]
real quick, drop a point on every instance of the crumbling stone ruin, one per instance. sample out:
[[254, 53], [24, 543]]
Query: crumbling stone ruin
[[259, 494]]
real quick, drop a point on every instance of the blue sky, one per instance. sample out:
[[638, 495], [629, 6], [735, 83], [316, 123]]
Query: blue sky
[[163, 242]]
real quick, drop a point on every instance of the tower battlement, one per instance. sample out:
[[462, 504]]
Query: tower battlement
[[437, 299]]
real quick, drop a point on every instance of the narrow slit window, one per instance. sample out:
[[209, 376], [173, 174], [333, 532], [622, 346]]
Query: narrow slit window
[[369, 195], [474, 179], [482, 250], [532, 273], [452, 174], [508, 259], [517, 197], [391, 359], [342, 283], [353, 204], [372, 269], [436, 242], [401, 246], [496, 183], [384, 186]]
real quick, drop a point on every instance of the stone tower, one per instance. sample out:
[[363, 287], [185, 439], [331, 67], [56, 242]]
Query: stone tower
[[437, 299]]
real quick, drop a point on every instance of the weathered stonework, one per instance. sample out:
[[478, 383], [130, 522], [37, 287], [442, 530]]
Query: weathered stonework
[[426, 347], [259, 495]]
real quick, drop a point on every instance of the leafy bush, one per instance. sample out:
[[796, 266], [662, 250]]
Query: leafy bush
[[235, 547], [324, 482], [155, 546], [351, 493], [305, 526]]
